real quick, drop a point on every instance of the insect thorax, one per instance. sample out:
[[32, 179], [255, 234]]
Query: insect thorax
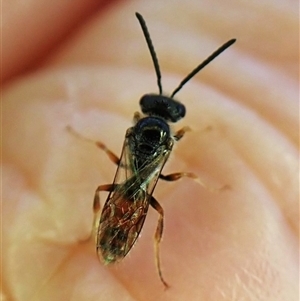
[[149, 140]]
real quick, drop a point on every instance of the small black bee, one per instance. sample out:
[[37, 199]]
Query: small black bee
[[145, 151]]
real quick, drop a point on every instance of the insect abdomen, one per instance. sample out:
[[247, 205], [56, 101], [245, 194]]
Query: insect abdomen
[[119, 229]]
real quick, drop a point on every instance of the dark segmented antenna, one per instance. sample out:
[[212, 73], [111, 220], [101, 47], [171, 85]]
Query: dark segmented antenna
[[203, 64], [151, 49]]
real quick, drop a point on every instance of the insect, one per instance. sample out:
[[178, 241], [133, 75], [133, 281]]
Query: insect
[[146, 149]]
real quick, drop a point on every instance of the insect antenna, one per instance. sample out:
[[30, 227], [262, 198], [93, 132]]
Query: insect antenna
[[151, 49], [203, 64]]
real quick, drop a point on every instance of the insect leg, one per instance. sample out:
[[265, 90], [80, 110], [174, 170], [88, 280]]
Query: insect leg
[[158, 236], [178, 175], [97, 206], [115, 159], [136, 117], [99, 144], [180, 133]]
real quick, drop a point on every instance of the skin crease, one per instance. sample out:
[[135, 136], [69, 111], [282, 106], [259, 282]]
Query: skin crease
[[237, 244]]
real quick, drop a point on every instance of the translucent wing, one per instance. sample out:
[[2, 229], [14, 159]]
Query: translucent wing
[[124, 212]]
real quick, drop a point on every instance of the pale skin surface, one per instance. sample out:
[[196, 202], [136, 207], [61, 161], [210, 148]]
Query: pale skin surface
[[240, 244]]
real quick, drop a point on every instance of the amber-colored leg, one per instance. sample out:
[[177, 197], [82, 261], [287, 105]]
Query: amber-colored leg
[[115, 159], [107, 187], [178, 175], [180, 133], [99, 144], [136, 117], [97, 206], [157, 238]]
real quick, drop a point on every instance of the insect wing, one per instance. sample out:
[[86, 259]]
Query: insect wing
[[124, 212]]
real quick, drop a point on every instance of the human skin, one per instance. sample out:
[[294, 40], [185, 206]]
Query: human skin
[[236, 244]]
